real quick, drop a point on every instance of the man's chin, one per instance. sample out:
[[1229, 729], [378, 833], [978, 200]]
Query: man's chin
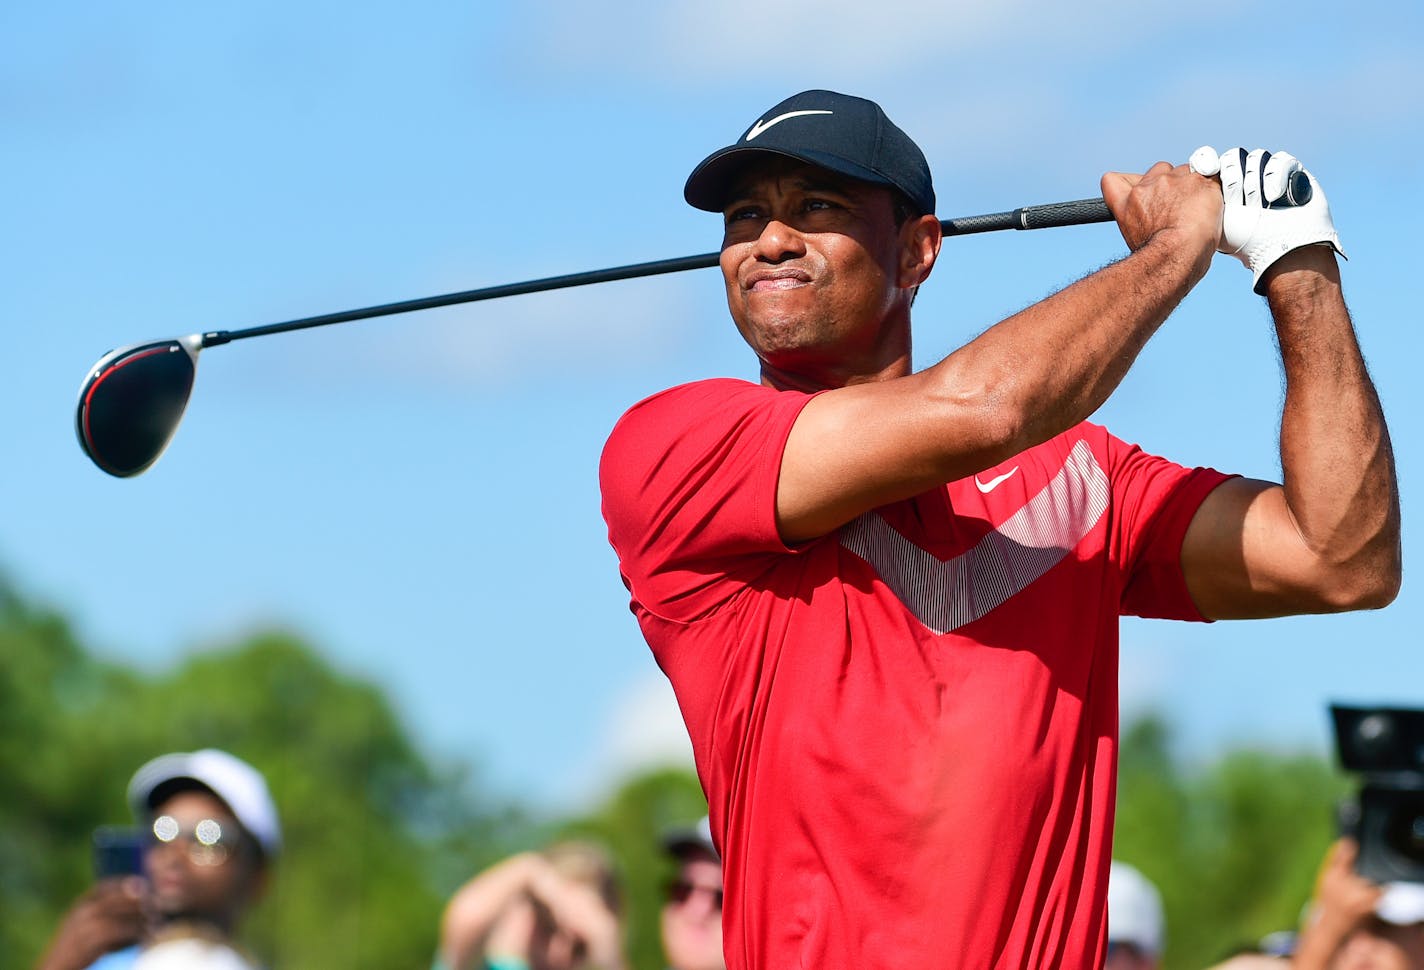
[[174, 908]]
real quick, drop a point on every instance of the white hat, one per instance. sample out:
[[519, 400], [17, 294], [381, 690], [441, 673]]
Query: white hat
[[1134, 910], [678, 841], [233, 780], [1402, 903]]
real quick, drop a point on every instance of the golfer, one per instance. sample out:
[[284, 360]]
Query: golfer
[[888, 599]]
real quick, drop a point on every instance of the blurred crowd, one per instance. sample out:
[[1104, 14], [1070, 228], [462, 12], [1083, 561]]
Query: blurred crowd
[[1350, 923], [171, 894]]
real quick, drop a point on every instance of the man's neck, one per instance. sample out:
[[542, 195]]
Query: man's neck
[[810, 381]]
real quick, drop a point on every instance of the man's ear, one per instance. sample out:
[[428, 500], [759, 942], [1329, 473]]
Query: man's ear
[[920, 239]]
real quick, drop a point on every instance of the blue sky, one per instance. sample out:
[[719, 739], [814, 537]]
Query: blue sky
[[417, 495]]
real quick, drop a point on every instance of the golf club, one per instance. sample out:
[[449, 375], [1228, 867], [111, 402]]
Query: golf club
[[133, 398]]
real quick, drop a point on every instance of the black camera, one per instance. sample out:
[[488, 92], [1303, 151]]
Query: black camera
[[1385, 745]]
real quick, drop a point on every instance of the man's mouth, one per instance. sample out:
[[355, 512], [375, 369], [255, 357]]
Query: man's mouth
[[781, 280]]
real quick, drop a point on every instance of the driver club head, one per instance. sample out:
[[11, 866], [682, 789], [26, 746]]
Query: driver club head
[[132, 400]]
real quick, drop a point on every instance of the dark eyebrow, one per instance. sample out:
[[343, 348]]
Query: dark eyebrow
[[741, 191]]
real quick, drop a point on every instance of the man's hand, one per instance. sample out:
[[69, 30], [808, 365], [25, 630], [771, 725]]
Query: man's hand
[[1341, 893], [1273, 206], [106, 918], [1343, 900], [1169, 203], [582, 917]]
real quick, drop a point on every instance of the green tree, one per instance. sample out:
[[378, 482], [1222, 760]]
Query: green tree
[[350, 889], [1233, 846], [56, 783], [368, 821]]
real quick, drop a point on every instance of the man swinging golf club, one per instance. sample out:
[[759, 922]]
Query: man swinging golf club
[[888, 600]]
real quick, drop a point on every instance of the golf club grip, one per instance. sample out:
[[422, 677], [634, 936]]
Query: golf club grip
[[1076, 213]]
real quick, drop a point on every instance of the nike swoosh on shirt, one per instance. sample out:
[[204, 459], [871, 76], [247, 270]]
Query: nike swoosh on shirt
[[996, 481], [945, 595], [762, 126]]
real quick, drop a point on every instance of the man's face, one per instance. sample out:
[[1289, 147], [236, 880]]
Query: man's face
[[1378, 945], [1128, 956], [813, 264], [692, 915], [191, 880]]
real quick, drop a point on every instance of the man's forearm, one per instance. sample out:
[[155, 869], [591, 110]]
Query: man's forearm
[[1336, 459], [1053, 364]]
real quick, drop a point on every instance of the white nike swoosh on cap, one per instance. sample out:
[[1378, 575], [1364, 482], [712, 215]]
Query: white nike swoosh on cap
[[995, 482], [762, 126]]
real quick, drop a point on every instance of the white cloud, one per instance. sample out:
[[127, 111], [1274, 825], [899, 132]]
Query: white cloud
[[626, 325], [1291, 105], [1145, 672], [990, 90], [741, 41], [643, 730]]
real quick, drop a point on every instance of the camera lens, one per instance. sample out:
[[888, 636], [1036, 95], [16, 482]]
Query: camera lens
[[1404, 830], [1375, 732]]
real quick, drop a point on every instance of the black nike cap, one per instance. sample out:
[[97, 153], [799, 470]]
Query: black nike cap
[[845, 134]]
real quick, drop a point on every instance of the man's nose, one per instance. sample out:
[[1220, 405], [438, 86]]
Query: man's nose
[[779, 241], [702, 906]]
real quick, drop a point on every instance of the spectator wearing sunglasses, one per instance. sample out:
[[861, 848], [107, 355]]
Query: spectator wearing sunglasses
[[692, 909], [210, 836]]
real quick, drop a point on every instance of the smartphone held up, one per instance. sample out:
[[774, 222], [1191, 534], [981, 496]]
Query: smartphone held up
[[118, 851]]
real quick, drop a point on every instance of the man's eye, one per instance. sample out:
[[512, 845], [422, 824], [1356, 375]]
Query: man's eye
[[745, 212], [816, 204]]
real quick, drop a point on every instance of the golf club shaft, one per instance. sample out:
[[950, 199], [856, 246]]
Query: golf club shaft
[[1076, 213]]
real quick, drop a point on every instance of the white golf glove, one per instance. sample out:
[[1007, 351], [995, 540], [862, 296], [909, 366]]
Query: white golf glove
[[1273, 205]]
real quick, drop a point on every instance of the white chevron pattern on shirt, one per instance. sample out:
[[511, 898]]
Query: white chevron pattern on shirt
[[946, 595]]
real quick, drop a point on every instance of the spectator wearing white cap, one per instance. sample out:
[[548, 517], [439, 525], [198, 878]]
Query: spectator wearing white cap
[[692, 909], [211, 835], [1136, 928], [1354, 923]]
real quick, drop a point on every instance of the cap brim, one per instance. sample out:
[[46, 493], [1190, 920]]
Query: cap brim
[[712, 182]]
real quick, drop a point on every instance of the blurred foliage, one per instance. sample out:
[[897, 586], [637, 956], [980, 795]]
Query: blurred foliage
[[369, 823], [1233, 847], [378, 836]]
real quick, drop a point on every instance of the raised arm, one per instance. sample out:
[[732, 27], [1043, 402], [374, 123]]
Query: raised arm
[[1028, 378], [472, 913], [496, 912], [1344, 901], [1328, 538], [108, 917]]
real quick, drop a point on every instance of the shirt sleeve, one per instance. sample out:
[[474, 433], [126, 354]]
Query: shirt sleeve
[[688, 479], [1156, 500]]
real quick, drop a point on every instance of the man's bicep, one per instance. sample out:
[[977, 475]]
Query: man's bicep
[[856, 448], [1244, 558]]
